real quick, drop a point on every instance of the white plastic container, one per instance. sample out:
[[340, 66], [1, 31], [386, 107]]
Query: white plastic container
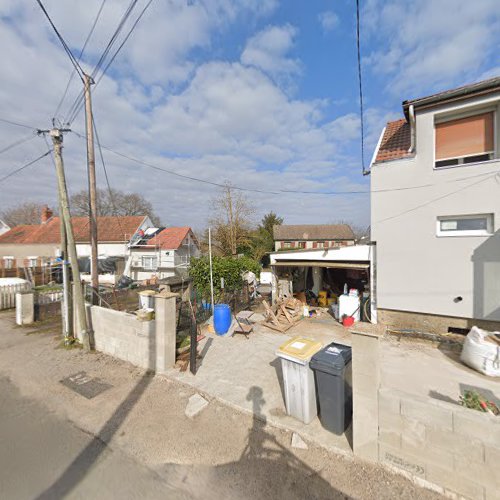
[[349, 305], [147, 299], [298, 378]]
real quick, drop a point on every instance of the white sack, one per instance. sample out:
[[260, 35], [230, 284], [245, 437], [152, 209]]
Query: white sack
[[480, 354]]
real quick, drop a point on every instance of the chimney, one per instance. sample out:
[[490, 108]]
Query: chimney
[[46, 214]]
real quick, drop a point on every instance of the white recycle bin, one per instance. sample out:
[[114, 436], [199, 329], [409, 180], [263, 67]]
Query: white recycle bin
[[298, 378], [147, 299]]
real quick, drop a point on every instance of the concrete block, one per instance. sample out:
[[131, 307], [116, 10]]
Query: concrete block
[[413, 432], [427, 412], [474, 424], [456, 444], [485, 474], [429, 454], [365, 427], [388, 402], [455, 483], [389, 437], [364, 385], [492, 454], [25, 308], [196, 404], [492, 494], [298, 442], [402, 460]]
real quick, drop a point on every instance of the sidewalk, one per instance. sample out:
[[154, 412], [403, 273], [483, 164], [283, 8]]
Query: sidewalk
[[221, 453]]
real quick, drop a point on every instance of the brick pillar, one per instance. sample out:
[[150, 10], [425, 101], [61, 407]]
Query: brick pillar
[[165, 331], [365, 385]]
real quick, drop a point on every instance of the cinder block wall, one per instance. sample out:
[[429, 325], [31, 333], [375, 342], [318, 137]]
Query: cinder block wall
[[121, 335], [442, 443]]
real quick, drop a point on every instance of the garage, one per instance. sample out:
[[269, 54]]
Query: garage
[[319, 277]]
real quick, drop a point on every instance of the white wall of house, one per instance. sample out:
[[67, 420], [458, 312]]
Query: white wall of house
[[103, 250], [417, 270], [301, 244]]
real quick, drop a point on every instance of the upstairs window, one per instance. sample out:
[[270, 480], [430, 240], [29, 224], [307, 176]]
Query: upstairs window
[[465, 225], [149, 263], [465, 140]]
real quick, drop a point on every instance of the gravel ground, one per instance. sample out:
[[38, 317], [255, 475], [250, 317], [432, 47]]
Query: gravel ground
[[221, 453]]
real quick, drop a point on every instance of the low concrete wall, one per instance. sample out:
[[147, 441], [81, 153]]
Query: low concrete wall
[[438, 444], [121, 335], [147, 344], [443, 443]]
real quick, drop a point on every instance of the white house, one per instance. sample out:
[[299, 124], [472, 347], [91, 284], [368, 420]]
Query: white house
[[161, 253], [304, 236], [3, 227], [435, 211]]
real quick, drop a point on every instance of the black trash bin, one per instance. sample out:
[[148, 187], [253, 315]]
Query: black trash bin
[[333, 373]]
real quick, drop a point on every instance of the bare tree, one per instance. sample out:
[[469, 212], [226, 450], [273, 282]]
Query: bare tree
[[231, 220], [114, 203], [360, 232], [28, 212]]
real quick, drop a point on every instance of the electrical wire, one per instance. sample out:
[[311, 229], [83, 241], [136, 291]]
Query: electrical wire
[[96, 19], [72, 58], [17, 143], [110, 191], [134, 25], [10, 174], [282, 191], [361, 112], [10, 122], [79, 99]]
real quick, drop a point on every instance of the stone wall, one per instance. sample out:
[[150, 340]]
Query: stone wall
[[443, 443]]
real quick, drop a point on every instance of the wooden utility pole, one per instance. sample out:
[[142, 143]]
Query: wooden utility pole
[[57, 139], [67, 310], [88, 81]]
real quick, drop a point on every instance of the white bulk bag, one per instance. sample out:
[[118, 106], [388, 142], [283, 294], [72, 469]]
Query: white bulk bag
[[481, 354]]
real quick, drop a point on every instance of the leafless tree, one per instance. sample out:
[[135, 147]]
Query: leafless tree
[[231, 220], [360, 232], [113, 203], [28, 212]]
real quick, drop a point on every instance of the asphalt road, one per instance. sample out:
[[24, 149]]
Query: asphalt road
[[45, 457]]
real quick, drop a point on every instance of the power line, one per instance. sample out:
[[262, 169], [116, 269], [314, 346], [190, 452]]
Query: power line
[[10, 122], [75, 63], [79, 99], [17, 143], [80, 57], [281, 191], [10, 174], [111, 196], [139, 17], [361, 112]]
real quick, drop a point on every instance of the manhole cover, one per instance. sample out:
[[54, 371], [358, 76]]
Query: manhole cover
[[88, 387]]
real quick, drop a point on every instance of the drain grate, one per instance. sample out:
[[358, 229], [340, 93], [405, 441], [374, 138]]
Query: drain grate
[[86, 386]]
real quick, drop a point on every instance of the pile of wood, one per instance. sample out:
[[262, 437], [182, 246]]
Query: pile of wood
[[282, 315]]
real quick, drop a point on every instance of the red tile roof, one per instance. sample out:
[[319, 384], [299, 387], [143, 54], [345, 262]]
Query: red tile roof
[[109, 229], [395, 142], [170, 238]]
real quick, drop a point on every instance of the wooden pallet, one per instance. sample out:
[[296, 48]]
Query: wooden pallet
[[282, 316]]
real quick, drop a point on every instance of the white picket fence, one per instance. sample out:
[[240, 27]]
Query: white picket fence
[[8, 294], [42, 298]]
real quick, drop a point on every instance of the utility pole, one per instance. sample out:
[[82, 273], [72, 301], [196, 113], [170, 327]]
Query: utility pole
[[57, 139], [67, 316], [89, 121]]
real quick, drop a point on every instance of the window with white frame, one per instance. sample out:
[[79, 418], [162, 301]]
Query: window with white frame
[[32, 261], [465, 140], [8, 262], [465, 225], [287, 244], [149, 262]]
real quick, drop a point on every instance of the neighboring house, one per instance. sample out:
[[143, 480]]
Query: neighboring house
[[287, 237], [3, 227], [435, 211], [162, 252], [39, 244]]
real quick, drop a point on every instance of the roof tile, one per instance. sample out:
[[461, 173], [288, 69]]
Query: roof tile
[[170, 238], [396, 142], [313, 232]]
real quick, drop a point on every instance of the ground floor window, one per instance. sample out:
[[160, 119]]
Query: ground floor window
[[32, 261], [8, 262], [465, 225]]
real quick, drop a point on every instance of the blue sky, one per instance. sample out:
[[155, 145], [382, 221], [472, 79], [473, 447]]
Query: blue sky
[[261, 93]]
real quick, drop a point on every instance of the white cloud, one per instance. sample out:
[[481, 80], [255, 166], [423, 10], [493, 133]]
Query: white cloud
[[268, 50], [328, 20], [427, 45], [228, 121]]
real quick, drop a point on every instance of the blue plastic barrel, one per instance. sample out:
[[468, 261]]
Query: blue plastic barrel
[[222, 318]]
